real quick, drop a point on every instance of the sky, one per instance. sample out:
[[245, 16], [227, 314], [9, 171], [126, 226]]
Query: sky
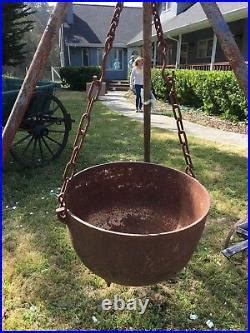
[[129, 3]]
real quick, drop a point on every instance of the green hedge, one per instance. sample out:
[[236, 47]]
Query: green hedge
[[212, 92], [77, 77]]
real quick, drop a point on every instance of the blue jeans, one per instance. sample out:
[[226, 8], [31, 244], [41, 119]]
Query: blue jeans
[[138, 88]]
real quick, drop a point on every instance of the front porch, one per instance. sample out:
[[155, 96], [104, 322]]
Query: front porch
[[200, 49]]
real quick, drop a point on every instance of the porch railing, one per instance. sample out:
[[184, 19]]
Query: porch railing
[[55, 76], [218, 66]]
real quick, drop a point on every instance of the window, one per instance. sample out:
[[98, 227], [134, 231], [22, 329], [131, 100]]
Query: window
[[99, 57], [85, 57], [204, 48], [115, 60], [166, 6]]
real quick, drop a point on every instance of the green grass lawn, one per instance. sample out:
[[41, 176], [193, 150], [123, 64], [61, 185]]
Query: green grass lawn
[[45, 285]]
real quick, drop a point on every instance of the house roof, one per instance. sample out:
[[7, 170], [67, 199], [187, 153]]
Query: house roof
[[91, 24], [194, 19]]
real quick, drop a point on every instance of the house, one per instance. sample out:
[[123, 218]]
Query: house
[[83, 34], [190, 38]]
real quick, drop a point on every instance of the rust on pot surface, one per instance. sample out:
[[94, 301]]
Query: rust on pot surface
[[135, 223]]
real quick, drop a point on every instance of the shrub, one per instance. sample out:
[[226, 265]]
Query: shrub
[[161, 91], [212, 92], [77, 77]]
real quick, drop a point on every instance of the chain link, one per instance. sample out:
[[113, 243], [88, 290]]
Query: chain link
[[93, 95], [170, 80]]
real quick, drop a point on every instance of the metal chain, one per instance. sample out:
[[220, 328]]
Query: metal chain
[[170, 80], [93, 94]]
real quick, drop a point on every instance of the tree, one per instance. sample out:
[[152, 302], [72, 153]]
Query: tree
[[42, 11], [16, 23], [40, 16]]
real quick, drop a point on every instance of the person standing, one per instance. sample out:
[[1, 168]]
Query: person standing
[[136, 81]]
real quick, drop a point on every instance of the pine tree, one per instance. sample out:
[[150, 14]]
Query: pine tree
[[16, 23]]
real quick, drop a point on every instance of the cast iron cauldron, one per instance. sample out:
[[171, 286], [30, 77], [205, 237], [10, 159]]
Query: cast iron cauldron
[[135, 223]]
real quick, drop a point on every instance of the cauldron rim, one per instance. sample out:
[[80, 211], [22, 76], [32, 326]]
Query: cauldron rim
[[89, 225]]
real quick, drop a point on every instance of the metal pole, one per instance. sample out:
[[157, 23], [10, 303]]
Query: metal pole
[[147, 54], [33, 75], [178, 53], [213, 52], [227, 43]]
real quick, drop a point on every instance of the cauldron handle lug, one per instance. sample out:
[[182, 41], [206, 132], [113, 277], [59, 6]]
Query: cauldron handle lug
[[61, 214]]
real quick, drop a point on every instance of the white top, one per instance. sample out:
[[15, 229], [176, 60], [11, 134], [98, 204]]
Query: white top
[[136, 76]]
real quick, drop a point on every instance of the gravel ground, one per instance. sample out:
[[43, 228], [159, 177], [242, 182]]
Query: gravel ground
[[194, 116]]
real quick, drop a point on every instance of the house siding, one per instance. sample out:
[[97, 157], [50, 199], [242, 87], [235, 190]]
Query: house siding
[[169, 13], [76, 56], [66, 58], [237, 28]]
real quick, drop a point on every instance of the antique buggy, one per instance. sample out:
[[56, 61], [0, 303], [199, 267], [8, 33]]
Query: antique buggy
[[43, 133]]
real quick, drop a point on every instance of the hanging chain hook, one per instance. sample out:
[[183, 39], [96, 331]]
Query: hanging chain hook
[[93, 95], [170, 80]]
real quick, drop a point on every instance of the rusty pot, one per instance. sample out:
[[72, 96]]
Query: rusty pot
[[135, 223]]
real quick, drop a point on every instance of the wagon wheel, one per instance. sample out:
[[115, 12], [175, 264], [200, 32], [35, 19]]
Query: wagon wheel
[[232, 239], [42, 136]]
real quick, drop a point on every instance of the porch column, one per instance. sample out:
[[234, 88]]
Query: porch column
[[213, 52], [178, 53]]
